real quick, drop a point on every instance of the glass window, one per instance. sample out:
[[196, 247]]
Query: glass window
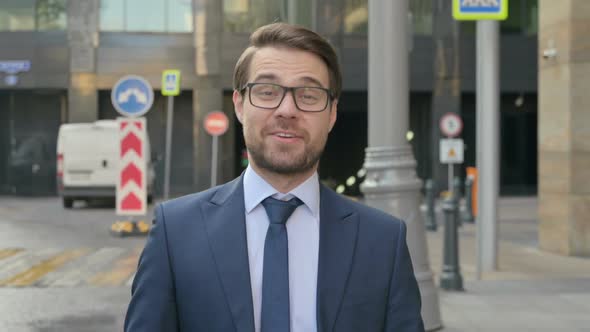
[[145, 15], [421, 16], [468, 28], [247, 15], [523, 18], [180, 16], [112, 13], [531, 20], [235, 15], [17, 15], [30, 15], [51, 14], [513, 24], [301, 12], [356, 16]]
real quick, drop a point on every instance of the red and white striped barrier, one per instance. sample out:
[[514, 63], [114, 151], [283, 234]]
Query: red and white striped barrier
[[132, 178]]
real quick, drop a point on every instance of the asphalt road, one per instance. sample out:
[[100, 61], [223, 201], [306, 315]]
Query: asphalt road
[[63, 309], [62, 270], [43, 222]]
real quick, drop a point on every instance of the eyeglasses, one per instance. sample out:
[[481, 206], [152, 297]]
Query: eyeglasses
[[270, 96]]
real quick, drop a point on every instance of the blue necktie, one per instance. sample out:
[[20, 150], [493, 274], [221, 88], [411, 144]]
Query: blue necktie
[[275, 275]]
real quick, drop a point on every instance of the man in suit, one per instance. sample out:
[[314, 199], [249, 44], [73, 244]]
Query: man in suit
[[274, 250]]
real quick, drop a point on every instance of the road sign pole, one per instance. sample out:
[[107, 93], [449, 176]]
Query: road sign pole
[[214, 147], [450, 178], [487, 111], [216, 124], [487, 15], [170, 88], [450, 125], [132, 96], [170, 117]]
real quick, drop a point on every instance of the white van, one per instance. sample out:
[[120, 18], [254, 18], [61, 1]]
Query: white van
[[87, 157]]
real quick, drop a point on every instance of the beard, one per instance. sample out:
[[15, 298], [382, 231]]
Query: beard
[[283, 159]]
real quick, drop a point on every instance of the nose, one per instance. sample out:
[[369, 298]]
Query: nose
[[287, 108]]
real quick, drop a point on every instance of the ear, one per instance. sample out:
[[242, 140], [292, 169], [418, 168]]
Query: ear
[[238, 105], [333, 113]]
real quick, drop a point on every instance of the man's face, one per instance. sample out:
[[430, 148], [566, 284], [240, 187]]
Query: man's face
[[285, 140]]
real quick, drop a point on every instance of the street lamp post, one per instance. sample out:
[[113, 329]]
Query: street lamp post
[[488, 128]]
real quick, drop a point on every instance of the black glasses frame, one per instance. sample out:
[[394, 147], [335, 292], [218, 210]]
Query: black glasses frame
[[285, 90]]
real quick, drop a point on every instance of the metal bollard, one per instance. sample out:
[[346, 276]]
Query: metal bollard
[[457, 197], [450, 278], [467, 215], [430, 213]]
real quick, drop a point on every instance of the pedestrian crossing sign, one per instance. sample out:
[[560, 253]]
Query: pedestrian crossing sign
[[473, 10], [451, 151], [171, 82]]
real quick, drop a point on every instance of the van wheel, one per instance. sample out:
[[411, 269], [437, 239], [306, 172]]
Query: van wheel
[[68, 202]]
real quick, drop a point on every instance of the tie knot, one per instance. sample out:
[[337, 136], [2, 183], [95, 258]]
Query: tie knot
[[279, 211]]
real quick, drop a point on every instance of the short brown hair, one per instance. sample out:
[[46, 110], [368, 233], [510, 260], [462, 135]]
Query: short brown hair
[[290, 36]]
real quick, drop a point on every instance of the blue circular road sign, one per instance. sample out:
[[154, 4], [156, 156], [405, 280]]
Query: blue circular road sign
[[132, 96]]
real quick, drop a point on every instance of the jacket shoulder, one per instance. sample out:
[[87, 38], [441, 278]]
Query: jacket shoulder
[[188, 201], [186, 207]]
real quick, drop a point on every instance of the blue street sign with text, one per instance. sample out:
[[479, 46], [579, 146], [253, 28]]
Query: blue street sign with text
[[15, 66], [468, 10]]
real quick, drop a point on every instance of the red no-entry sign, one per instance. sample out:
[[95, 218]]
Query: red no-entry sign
[[451, 124], [216, 123]]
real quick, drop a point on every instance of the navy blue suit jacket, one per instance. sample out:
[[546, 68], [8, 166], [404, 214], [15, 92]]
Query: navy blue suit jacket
[[193, 274]]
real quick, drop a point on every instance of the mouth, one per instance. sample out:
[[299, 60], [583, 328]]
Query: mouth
[[285, 136]]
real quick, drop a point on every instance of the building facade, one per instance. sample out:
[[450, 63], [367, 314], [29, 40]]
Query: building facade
[[564, 128], [69, 55]]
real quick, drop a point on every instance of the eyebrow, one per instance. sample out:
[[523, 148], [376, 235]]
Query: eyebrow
[[308, 79], [273, 77]]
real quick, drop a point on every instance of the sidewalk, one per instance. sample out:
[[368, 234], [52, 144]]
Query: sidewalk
[[532, 290]]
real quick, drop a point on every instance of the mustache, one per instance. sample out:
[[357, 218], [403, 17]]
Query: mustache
[[287, 125]]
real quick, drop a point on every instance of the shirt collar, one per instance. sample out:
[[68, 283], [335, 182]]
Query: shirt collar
[[256, 189]]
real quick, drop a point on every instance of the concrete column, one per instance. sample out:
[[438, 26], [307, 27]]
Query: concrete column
[[208, 92], [564, 127], [391, 183], [83, 40]]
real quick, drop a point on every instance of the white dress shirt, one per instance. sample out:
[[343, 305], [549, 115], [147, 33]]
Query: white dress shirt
[[303, 232]]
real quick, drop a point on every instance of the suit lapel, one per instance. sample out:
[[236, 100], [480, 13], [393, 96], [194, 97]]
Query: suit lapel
[[226, 229], [338, 232]]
